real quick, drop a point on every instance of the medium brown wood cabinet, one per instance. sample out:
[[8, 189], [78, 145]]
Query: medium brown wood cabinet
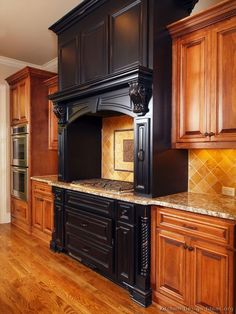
[[20, 106], [193, 260], [52, 85], [42, 210], [28, 111], [204, 79]]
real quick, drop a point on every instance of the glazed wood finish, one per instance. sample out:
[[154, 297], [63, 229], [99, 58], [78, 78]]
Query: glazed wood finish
[[193, 260], [204, 51], [42, 210], [29, 104], [19, 98], [52, 85], [33, 279]]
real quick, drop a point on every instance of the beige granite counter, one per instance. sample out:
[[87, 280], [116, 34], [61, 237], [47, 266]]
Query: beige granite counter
[[211, 205]]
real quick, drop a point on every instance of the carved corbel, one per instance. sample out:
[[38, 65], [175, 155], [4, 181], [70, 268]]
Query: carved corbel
[[187, 4], [140, 96], [60, 113]]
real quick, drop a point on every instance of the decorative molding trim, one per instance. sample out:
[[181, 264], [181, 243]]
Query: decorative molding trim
[[60, 112], [50, 64], [21, 64], [140, 96], [214, 14], [17, 63]]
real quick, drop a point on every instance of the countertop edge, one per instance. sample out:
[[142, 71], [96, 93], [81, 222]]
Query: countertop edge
[[137, 199]]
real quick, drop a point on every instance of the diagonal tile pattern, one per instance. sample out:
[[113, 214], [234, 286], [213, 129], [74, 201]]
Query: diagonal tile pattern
[[209, 170]]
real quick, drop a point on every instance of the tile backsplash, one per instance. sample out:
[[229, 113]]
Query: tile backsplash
[[209, 170], [117, 146]]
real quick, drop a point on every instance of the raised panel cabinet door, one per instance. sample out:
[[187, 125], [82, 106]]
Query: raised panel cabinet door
[[142, 155], [212, 279], [191, 85], [125, 253], [171, 265], [128, 36], [48, 215], [53, 122], [15, 114], [59, 225], [94, 51], [68, 63], [224, 82], [23, 100], [37, 211]]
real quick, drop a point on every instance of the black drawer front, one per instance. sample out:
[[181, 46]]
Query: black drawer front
[[97, 205], [92, 254], [58, 194], [125, 212], [89, 226]]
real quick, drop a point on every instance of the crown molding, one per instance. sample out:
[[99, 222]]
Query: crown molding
[[48, 65], [17, 63]]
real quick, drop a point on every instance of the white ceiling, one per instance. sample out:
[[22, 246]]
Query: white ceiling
[[24, 33]]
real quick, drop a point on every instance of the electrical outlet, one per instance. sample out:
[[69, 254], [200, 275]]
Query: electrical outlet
[[228, 191]]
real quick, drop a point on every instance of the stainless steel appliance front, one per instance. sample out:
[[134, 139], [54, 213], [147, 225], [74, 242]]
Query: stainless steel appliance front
[[19, 178], [19, 146]]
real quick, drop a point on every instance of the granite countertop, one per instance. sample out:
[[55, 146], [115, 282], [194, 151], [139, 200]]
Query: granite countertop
[[206, 204]]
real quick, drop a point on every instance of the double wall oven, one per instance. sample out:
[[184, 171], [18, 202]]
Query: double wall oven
[[19, 161]]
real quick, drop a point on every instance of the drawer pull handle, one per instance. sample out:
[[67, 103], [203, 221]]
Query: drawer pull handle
[[85, 250], [211, 134], [206, 134], [190, 227], [83, 225], [191, 248], [185, 246], [124, 212]]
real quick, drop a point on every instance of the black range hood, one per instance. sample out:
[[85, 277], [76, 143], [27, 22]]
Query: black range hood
[[116, 56]]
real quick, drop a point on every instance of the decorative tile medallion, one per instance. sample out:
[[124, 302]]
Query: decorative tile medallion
[[117, 148]]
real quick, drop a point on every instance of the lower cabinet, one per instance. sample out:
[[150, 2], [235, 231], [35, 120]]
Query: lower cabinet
[[100, 232], [20, 215], [193, 260], [42, 210]]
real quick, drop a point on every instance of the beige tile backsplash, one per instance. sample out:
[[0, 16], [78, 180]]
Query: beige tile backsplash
[[209, 170], [110, 125]]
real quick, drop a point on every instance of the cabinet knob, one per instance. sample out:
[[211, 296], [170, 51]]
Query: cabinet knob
[[191, 248], [206, 134], [185, 246], [211, 134], [83, 225]]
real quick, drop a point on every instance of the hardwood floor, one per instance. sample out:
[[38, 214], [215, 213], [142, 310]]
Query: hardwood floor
[[35, 280]]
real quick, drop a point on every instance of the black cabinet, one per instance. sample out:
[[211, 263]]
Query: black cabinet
[[142, 156], [107, 37], [58, 236], [106, 235], [125, 253]]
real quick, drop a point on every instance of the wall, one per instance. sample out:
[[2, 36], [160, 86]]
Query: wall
[[203, 5], [116, 131], [209, 170], [8, 67]]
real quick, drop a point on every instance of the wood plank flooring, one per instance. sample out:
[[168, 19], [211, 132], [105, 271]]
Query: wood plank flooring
[[35, 280]]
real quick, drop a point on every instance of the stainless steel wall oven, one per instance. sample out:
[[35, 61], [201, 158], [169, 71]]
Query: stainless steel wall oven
[[19, 161]]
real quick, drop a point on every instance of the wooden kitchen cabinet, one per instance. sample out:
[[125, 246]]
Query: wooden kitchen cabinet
[[19, 97], [42, 210], [193, 260], [204, 79], [52, 85]]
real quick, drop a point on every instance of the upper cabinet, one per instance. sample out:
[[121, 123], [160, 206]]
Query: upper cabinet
[[204, 79], [52, 85], [110, 38], [19, 98]]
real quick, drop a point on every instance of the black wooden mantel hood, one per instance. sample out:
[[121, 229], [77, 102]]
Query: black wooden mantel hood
[[116, 56]]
